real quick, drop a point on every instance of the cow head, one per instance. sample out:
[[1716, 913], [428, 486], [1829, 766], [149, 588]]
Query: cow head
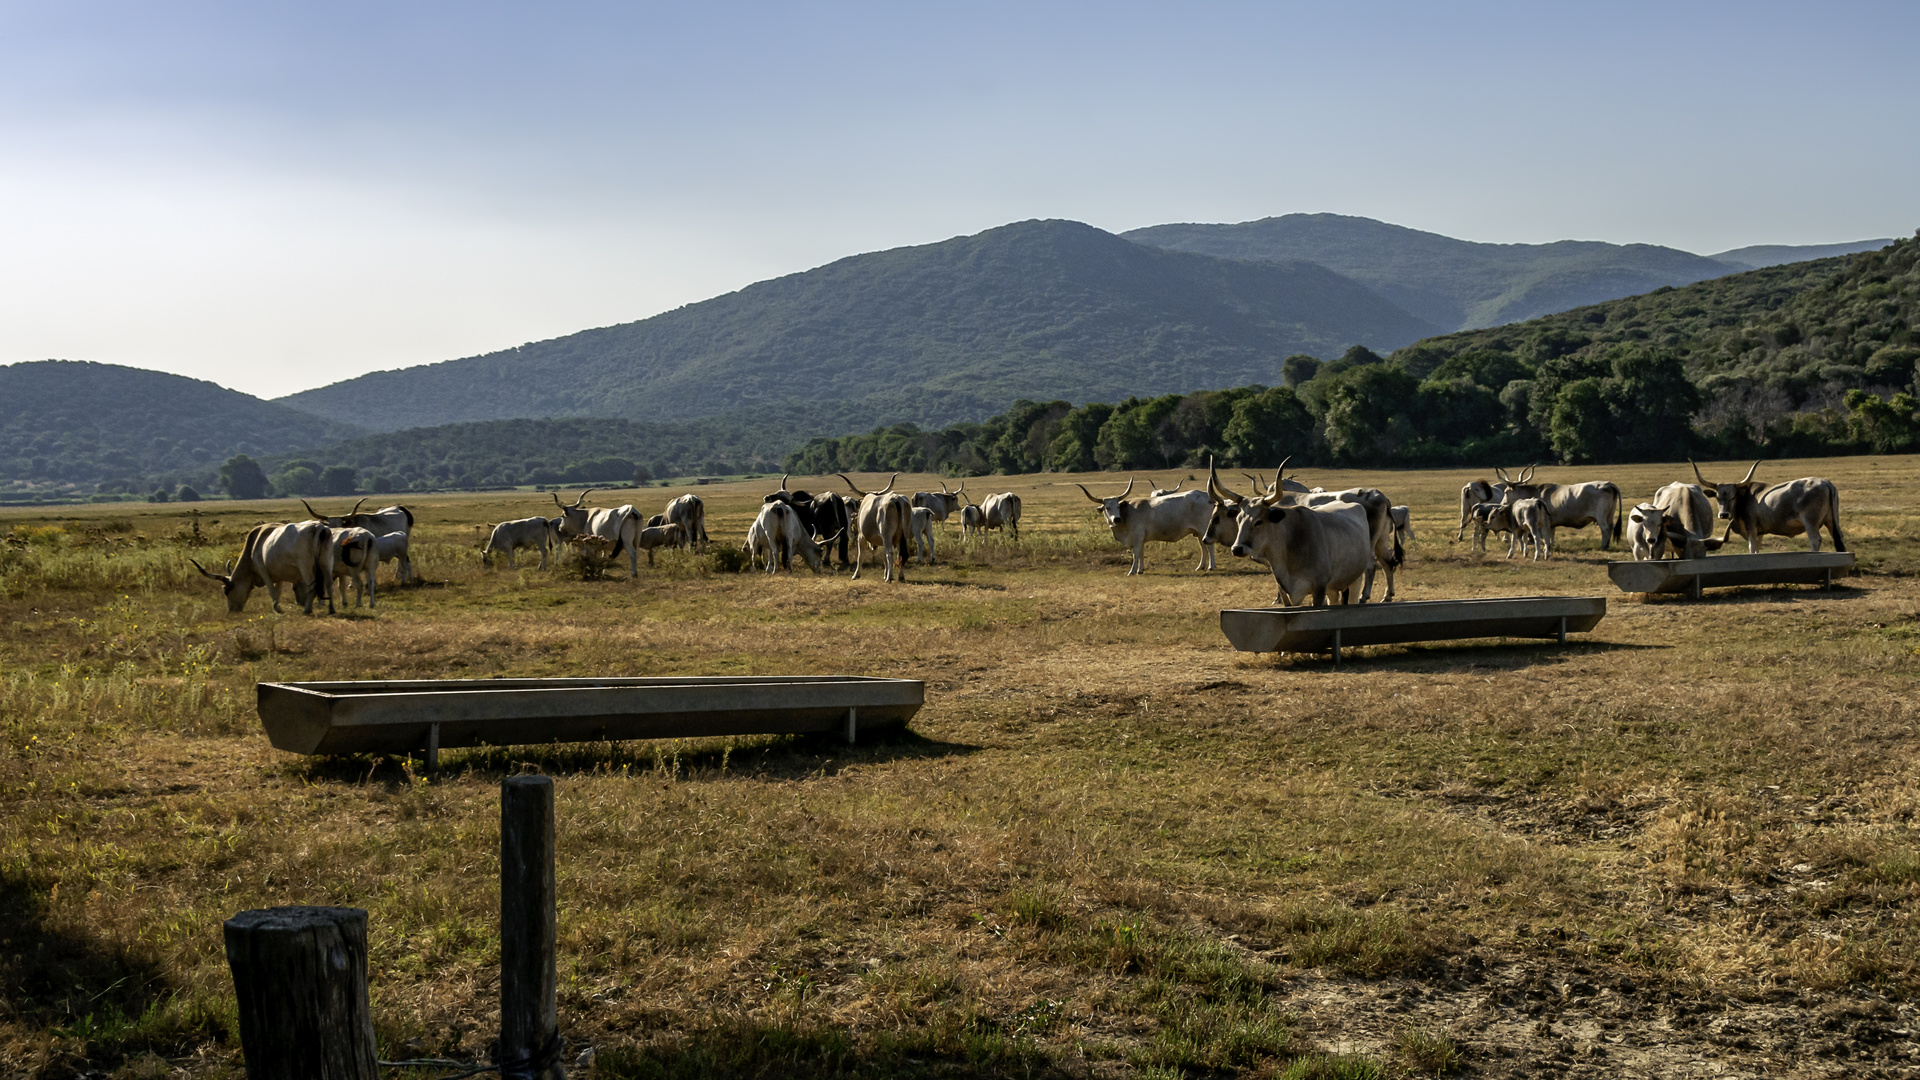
[[1514, 488], [1114, 509], [573, 519], [1497, 516], [1238, 514], [1734, 497], [863, 494], [237, 587]]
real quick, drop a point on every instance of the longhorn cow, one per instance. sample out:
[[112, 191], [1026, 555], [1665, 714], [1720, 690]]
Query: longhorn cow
[[1570, 506], [997, 511], [356, 555], [1312, 551], [620, 525], [300, 554], [1790, 508], [382, 522], [882, 521], [1165, 517], [920, 532], [690, 514], [822, 515], [941, 503]]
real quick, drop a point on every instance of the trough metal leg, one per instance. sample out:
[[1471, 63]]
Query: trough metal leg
[[1696, 587], [1336, 648], [1563, 629], [853, 723], [1829, 577], [433, 750]]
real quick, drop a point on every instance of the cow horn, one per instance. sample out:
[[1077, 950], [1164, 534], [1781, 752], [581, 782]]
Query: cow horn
[[1502, 474], [582, 500], [1129, 490], [1696, 474], [889, 486], [1279, 475], [204, 570], [783, 480], [1088, 494], [310, 510], [1176, 484], [1749, 476], [843, 476], [556, 500], [356, 507], [1218, 492], [1528, 478], [943, 488]]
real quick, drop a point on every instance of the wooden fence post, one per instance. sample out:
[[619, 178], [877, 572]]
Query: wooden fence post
[[530, 1043], [300, 974]]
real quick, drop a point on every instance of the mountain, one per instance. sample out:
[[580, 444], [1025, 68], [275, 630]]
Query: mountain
[[1454, 284], [1763, 255], [71, 424], [931, 334]]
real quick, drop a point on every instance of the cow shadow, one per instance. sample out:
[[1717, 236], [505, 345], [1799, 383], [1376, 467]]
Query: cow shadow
[[782, 757], [1760, 594], [1453, 657]]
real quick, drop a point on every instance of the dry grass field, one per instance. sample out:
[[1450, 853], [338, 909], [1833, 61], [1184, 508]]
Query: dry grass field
[[1684, 844]]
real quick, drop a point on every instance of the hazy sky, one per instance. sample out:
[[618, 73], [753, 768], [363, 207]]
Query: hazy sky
[[276, 197]]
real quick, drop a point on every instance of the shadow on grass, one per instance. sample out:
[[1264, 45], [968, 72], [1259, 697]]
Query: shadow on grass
[[728, 1049], [114, 1002], [784, 757], [1465, 655]]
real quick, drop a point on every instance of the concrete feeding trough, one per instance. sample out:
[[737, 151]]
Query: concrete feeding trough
[[1720, 571], [1330, 629], [403, 716]]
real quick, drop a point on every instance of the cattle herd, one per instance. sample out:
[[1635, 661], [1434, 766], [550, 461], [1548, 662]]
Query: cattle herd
[[1318, 543]]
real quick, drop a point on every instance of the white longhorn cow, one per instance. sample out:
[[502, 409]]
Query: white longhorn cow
[[1162, 518]]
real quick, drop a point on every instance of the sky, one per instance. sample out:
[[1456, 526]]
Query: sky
[[276, 196]]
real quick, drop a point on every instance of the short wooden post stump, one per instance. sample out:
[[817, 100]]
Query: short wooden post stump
[[300, 974]]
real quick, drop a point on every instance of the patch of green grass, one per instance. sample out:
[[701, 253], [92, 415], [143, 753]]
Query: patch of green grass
[[1333, 1067]]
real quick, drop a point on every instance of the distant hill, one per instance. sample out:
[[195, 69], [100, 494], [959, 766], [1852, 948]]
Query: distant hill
[[73, 424], [1763, 255], [932, 334], [1459, 284]]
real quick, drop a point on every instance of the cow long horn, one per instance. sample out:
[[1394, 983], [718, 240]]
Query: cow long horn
[[1528, 477], [1088, 494], [1129, 490], [1218, 491], [843, 476], [204, 570], [582, 500], [943, 488], [556, 500], [1176, 484], [889, 486], [1502, 474], [356, 507], [1696, 474], [1279, 476], [1749, 476], [783, 480], [310, 510]]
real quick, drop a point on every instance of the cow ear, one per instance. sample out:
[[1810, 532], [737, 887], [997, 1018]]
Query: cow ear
[[1275, 513]]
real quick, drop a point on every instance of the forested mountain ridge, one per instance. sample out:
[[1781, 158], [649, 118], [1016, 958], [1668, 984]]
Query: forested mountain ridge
[[1802, 360], [930, 334], [68, 425], [1460, 284]]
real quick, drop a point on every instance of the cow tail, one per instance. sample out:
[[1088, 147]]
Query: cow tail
[[1833, 523], [620, 536], [1619, 507]]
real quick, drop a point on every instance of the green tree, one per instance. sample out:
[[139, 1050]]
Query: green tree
[[1072, 449], [1267, 427], [1890, 426], [1650, 405], [1297, 369], [1367, 412], [187, 494], [299, 480], [1578, 426], [1130, 439], [337, 480], [241, 477]]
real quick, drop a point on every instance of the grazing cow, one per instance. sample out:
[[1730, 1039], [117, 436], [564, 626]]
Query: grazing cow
[[1570, 506], [940, 503], [1162, 518], [1647, 531], [822, 515], [1689, 519], [619, 525], [382, 522], [1312, 551], [1473, 494], [1495, 517], [356, 555], [999, 510], [539, 533], [690, 514], [1532, 519], [1753, 509], [300, 554], [920, 532], [882, 522], [658, 536], [656, 521], [772, 532]]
